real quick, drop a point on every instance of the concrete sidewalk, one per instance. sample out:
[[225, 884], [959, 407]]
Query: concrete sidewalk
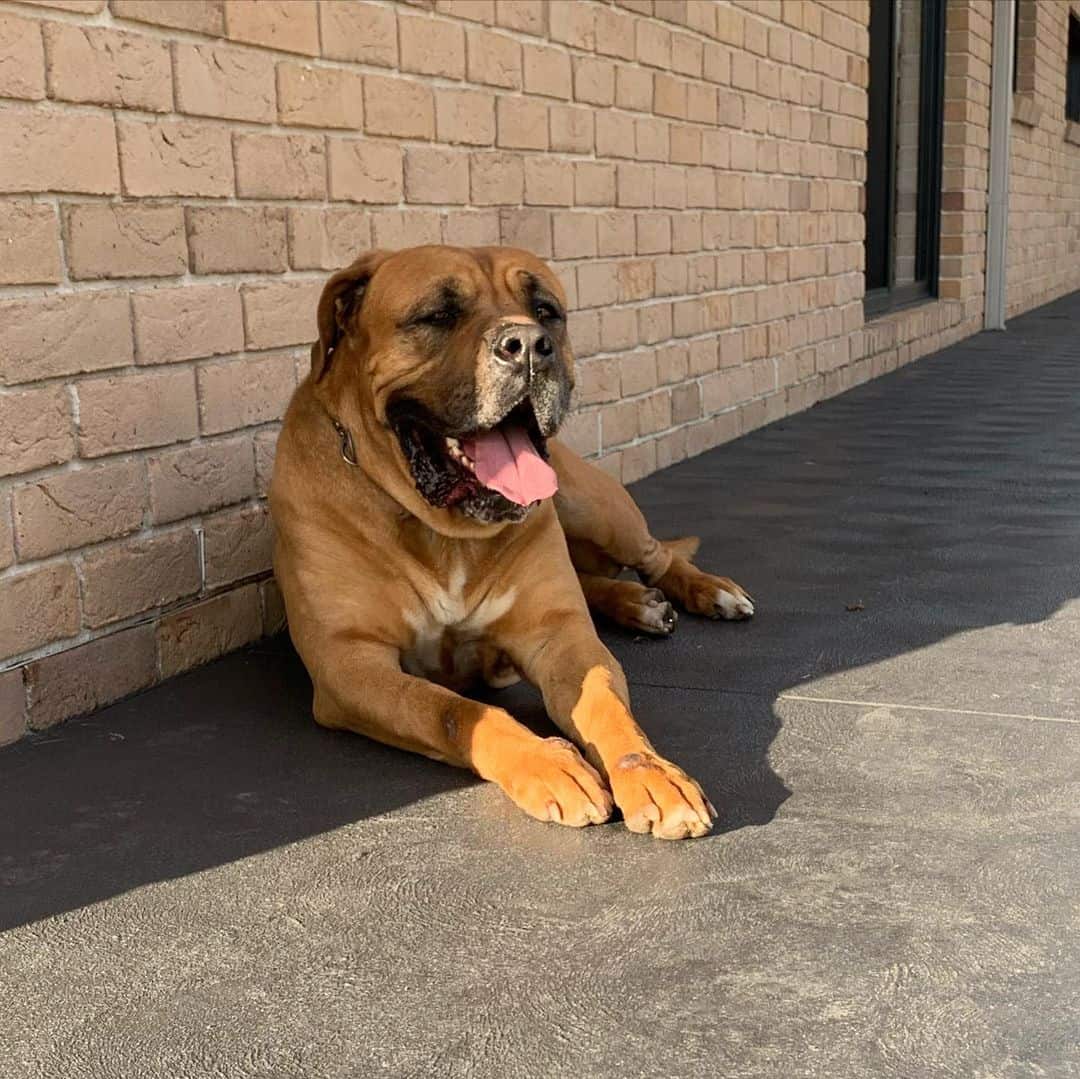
[[200, 882]]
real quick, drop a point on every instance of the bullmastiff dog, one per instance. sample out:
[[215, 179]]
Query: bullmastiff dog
[[432, 531]]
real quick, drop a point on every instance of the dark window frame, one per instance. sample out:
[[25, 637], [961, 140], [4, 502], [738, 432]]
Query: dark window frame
[[1072, 71], [884, 295]]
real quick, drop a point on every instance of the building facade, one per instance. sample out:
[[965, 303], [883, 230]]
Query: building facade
[[752, 206]]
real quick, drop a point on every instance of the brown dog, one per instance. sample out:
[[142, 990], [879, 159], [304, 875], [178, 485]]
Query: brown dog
[[419, 546]]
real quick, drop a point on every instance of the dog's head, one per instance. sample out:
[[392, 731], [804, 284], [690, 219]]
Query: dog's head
[[450, 367]]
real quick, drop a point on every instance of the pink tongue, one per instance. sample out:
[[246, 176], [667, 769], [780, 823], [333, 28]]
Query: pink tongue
[[507, 461]]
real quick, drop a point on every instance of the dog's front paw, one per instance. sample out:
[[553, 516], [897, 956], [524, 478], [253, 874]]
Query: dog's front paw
[[551, 781], [659, 797]]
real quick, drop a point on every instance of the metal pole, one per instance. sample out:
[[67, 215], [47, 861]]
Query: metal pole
[[997, 222]]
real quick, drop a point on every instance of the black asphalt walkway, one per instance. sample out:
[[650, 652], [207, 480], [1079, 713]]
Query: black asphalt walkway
[[200, 882]]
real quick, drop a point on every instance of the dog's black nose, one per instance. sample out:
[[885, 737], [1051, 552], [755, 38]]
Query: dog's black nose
[[521, 345]]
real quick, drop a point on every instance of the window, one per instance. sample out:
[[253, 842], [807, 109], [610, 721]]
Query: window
[[903, 161], [1072, 83]]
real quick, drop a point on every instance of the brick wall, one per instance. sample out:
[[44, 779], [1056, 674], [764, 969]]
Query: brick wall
[[1044, 181], [178, 176]]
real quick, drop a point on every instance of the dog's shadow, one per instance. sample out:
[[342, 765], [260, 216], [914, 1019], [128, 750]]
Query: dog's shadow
[[870, 497]]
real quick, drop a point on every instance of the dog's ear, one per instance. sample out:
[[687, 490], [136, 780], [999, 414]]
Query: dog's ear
[[339, 302]]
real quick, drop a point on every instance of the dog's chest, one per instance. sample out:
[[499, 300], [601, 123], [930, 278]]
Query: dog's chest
[[448, 627]]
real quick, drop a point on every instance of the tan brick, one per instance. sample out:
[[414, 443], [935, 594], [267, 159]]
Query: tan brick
[[527, 229], [466, 116], [637, 280], [12, 706], [524, 15], [597, 380], [471, 228], [187, 323], [615, 33], [399, 108], [192, 480], [574, 235], [614, 135], [638, 461], [130, 412], [395, 229], [327, 237], [618, 424], [102, 66], [48, 336], [50, 150], [615, 233], [522, 124], [111, 241], [634, 185], [280, 314], [75, 508], [216, 80], [431, 48], [594, 81], [237, 239], [22, 59], [204, 631], [654, 413], [175, 157], [634, 88], [362, 170], [40, 605], [670, 96], [35, 429], [265, 452], [494, 60], [202, 16], [653, 44], [280, 166], [435, 175], [618, 328], [686, 403], [594, 183], [638, 372], [572, 129], [651, 140], [279, 24], [319, 97], [86, 678], [363, 33], [598, 284], [243, 393], [496, 179], [546, 71], [29, 243], [7, 534], [572, 23], [687, 55], [549, 181], [138, 575], [237, 543]]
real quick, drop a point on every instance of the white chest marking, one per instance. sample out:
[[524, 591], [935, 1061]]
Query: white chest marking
[[447, 610]]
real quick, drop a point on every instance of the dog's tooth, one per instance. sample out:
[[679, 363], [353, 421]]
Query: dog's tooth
[[452, 443]]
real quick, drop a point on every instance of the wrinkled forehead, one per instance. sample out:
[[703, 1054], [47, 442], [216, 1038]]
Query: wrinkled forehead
[[500, 275]]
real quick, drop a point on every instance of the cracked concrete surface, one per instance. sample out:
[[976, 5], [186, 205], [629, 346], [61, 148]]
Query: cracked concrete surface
[[200, 882]]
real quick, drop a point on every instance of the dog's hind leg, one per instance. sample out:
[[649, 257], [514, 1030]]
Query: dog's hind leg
[[606, 531]]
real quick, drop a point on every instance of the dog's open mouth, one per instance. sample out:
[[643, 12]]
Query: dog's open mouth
[[495, 474]]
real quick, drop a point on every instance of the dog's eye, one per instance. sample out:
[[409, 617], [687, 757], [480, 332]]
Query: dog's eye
[[442, 319], [546, 312]]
